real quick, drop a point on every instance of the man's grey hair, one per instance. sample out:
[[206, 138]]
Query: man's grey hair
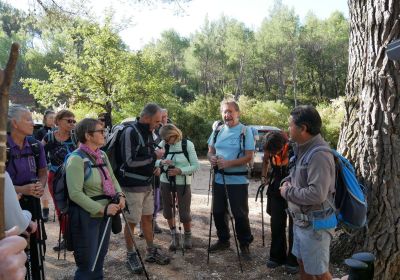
[[150, 109], [229, 102], [14, 113], [164, 110]]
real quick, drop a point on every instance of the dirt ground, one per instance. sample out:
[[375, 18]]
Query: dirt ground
[[193, 265]]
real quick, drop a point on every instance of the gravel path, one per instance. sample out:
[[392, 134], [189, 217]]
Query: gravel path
[[193, 265]]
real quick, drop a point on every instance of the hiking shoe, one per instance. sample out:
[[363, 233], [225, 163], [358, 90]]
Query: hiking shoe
[[133, 262], [187, 240], [156, 228], [60, 247], [174, 242], [273, 264], [156, 255], [291, 269], [219, 246], [45, 214], [245, 252]]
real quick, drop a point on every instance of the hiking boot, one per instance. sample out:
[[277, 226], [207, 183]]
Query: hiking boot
[[156, 255], [245, 252], [291, 269], [273, 264], [133, 263], [156, 228], [187, 240], [60, 247], [174, 242], [45, 214], [219, 246]]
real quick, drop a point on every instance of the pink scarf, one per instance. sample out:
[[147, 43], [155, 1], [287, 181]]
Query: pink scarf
[[108, 186]]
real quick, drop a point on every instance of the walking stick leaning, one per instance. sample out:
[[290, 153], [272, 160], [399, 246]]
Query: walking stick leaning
[[260, 192], [101, 242], [212, 179], [134, 243], [231, 218]]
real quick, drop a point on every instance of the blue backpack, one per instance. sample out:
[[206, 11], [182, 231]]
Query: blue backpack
[[350, 197], [60, 189]]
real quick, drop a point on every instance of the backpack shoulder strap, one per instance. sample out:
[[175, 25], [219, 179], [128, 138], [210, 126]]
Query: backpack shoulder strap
[[87, 162], [35, 150], [308, 155], [217, 129], [166, 147], [184, 149], [74, 138], [140, 137]]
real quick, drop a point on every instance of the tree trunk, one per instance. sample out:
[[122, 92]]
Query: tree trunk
[[5, 82], [370, 132]]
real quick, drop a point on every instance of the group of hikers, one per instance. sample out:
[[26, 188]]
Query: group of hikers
[[149, 170]]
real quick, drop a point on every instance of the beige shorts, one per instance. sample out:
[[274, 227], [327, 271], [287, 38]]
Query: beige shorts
[[141, 203]]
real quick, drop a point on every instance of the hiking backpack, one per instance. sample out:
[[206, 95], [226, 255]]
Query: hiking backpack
[[113, 140], [60, 189], [184, 150], [35, 147], [350, 198], [217, 126]]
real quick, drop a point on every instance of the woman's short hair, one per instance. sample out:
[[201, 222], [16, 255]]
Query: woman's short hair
[[169, 130], [64, 113], [87, 125], [14, 113], [229, 102], [308, 116], [274, 141]]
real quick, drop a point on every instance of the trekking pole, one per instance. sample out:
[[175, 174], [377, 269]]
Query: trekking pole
[[101, 242], [179, 223], [134, 243], [212, 174], [231, 218], [115, 200], [209, 185], [261, 192]]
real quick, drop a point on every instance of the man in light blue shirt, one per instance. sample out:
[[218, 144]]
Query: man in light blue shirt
[[231, 147]]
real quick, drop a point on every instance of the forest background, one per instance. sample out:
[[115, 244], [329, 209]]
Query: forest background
[[69, 60]]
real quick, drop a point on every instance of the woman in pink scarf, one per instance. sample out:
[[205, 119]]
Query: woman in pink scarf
[[91, 186]]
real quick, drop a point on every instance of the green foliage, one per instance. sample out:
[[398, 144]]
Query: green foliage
[[97, 70], [332, 115], [264, 112]]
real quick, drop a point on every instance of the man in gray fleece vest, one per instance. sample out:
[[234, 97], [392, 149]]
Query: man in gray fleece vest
[[309, 191]]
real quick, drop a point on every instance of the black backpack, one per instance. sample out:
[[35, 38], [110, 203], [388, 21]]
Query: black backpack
[[60, 189], [184, 150], [113, 140], [35, 147]]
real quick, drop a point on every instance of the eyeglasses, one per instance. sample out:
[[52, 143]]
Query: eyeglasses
[[102, 131], [70, 121]]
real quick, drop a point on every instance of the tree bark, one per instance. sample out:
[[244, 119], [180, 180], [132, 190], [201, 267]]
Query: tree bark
[[5, 82], [370, 135]]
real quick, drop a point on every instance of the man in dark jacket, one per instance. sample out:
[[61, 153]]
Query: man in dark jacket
[[309, 191], [138, 154]]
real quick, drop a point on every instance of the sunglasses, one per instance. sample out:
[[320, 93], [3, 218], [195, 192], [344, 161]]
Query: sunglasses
[[70, 121], [102, 131], [102, 119]]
